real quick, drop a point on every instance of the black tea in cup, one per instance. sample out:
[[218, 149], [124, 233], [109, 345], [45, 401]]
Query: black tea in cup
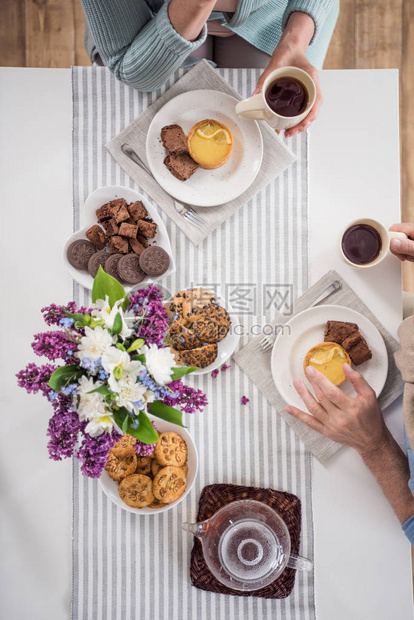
[[361, 244]]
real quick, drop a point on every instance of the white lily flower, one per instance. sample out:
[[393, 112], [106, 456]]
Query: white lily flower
[[159, 362], [90, 405], [108, 314], [99, 425], [94, 343], [129, 392], [118, 363]]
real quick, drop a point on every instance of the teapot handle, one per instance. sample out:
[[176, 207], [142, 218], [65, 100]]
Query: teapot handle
[[299, 563]]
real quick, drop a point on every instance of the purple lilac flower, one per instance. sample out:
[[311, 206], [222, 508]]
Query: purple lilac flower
[[94, 451], [152, 318], [53, 314], [54, 345], [145, 449], [215, 373], [63, 431], [244, 400], [34, 378], [225, 367], [188, 399]]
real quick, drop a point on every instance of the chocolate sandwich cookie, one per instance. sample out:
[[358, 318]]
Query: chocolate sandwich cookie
[[97, 259], [129, 269], [79, 253], [111, 266], [154, 261]]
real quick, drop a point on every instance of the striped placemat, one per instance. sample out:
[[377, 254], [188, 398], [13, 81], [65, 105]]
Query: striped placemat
[[126, 566]]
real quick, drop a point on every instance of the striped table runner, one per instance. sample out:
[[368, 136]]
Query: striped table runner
[[137, 567]]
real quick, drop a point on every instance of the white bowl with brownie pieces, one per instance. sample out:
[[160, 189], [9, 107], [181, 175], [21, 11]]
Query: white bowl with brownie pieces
[[125, 234], [154, 483]]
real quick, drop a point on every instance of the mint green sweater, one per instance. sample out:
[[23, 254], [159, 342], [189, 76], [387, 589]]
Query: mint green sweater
[[137, 42]]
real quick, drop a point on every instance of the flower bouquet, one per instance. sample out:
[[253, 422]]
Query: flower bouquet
[[115, 370]]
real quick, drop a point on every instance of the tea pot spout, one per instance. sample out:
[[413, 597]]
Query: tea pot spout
[[198, 529]]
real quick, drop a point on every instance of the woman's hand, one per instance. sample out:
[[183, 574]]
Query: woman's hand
[[356, 422], [403, 248], [291, 51]]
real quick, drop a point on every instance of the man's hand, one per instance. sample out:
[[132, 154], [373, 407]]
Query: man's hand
[[355, 422], [403, 248], [291, 51]]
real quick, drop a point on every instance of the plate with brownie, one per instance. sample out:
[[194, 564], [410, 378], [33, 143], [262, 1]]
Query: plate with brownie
[[124, 234], [200, 151], [326, 337], [203, 331]]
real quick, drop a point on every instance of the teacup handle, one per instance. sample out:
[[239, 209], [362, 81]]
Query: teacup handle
[[299, 563], [252, 108]]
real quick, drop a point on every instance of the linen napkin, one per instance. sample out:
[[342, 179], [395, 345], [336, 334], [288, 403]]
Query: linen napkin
[[276, 156], [256, 362], [216, 496]]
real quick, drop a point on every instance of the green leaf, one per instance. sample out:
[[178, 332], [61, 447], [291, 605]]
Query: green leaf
[[117, 326], [145, 431], [181, 371], [165, 412], [120, 346], [103, 389], [140, 357], [104, 284], [63, 376], [80, 319], [137, 344]]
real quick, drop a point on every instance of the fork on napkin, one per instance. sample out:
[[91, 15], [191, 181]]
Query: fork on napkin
[[255, 361], [276, 156]]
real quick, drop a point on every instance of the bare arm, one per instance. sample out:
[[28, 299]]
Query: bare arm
[[189, 16], [358, 423]]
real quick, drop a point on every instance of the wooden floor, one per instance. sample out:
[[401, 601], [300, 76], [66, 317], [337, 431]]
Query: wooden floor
[[370, 34]]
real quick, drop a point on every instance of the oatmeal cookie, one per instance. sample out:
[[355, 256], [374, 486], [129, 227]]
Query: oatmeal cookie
[[171, 449], [201, 357], [169, 484], [155, 467], [181, 338], [143, 465], [119, 466], [136, 491], [124, 445], [196, 298], [210, 324]]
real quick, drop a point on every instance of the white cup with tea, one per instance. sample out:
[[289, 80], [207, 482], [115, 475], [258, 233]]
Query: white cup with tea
[[287, 97], [365, 243]]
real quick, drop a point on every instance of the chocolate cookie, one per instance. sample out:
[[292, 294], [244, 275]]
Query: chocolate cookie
[[201, 357], [111, 266], [79, 253], [154, 261], [129, 269], [210, 323], [97, 259], [182, 338]]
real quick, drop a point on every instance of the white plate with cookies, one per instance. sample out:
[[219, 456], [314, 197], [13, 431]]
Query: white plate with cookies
[[111, 487], [97, 199], [201, 299], [207, 188], [304, 331]]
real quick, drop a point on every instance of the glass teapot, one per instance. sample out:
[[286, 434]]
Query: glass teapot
[[246, 545]]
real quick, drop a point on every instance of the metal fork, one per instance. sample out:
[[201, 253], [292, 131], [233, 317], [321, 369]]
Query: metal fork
[[267, 341], [187, 212]]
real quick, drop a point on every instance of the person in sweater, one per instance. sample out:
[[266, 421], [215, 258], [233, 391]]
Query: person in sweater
[[358, 422], [144, 41]]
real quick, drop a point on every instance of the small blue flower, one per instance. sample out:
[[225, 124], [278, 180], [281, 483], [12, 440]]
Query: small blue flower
[[85, 362], [139, 404], [69, 352], [66, 322], [70, 389], [135, 423], [52, 395]]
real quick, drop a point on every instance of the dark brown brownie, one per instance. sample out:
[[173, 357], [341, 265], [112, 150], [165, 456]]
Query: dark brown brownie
[[357, 348], [111, 227], [182, 166], [97, 237], [104, 212], [143, 241], [173, 139], [147, 229], [337, 331], [137, 210], [128, 230], [136, 246], [119, 210], [119, 245]]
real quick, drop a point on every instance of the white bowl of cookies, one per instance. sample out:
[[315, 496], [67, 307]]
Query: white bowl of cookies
[[203, 331], [155, 483]]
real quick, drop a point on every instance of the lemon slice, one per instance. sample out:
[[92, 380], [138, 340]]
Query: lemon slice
[[207, 132]]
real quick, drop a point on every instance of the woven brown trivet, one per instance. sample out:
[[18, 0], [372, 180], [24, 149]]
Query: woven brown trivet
[[214, 497]]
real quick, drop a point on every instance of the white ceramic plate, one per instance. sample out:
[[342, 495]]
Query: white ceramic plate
[[304, 331], [228, 345], [110, 487], [95, 200], [207, 188]]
